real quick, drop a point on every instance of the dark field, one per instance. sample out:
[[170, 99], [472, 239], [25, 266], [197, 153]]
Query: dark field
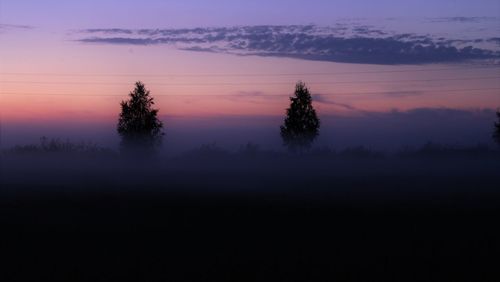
[[214, 216]]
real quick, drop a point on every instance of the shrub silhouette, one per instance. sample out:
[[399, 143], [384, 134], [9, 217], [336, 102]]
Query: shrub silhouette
[[496, 133], [57, 146], [301, 125], [138, 125]]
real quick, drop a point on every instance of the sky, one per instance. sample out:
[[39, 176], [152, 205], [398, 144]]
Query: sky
[[194, 13], [68, 64]]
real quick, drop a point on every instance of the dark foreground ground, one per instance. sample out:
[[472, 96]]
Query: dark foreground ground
[[256, 219]]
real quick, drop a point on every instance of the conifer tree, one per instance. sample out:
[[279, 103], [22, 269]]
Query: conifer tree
[[138, 125], [301, 125]]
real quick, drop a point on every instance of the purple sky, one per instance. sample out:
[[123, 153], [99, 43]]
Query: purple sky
[[189, 13]]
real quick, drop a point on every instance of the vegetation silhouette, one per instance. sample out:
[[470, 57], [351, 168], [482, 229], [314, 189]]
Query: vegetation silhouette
[[138, 125], [301, 125], [496, 133], [57, 146]]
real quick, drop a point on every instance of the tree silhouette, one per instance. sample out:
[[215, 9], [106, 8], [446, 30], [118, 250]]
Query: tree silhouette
[[138, 125], [496, 133], [301, 125]]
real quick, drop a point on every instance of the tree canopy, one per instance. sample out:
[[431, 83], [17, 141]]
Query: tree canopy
[[301, 125], [138, 124]]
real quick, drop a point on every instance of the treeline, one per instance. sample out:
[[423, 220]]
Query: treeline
[[254, 151]]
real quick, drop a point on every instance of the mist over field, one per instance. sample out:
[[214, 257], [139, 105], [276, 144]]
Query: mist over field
[[388, 132], [336, 211]]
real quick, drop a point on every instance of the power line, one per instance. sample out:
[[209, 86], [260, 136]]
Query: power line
[[257, 83], [244, 75], [254, 96]]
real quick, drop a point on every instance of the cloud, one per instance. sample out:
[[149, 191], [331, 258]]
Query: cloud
[[119, 40], [402, 94], [250, 94], [424, 114], [349, 44], [109, 30], [494, 40], [255, 97], [415, 127], [330, 100], [202, 49], [14, 26], [324, 99], [463, 19]]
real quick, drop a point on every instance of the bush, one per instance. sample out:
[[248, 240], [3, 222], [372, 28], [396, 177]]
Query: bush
[[52, 146]]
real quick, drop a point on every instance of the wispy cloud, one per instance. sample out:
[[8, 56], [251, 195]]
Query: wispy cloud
[[254, 97], [402, 94], [14, 26], [325, 99], [120, 40], [494, 40], [463, 19], [436, 114], [339, 43], [250, 94]]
